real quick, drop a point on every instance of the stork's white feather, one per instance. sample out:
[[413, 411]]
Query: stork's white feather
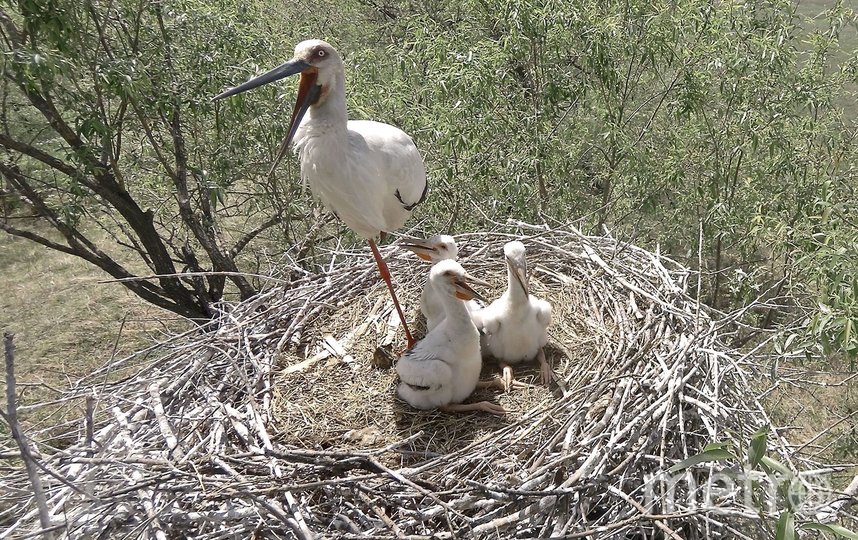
[[515, 326], [367, 173], [444, 367]]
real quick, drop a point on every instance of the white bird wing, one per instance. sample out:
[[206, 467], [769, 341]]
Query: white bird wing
[[490, 316], [488, 322], [543, 312], [426, 379], [491, 325], [395, 169]]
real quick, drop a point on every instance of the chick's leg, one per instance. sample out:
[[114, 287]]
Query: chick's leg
[[544, 367], [507, 377], [483, 406]]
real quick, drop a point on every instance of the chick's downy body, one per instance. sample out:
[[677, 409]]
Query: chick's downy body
[[443, 368], [515, 326]]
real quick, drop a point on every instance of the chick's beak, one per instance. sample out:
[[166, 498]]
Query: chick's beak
[[422, 249], [464, 291], [519, 272]]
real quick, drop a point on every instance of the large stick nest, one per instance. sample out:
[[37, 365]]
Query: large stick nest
[[280, 423]]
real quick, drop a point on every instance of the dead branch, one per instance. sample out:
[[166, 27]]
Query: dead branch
[[11, 418]]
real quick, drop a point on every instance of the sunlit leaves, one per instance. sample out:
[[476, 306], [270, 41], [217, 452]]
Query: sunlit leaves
[[707, 456], [757, 446], [831, 528]]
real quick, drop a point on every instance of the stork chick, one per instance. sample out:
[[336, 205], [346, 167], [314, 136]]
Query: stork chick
[[436, 248], [515, 326], [443, 368]]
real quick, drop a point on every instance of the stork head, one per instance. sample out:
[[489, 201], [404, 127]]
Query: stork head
[[516, 262], [451, 278], [436, 248], [319, 65]]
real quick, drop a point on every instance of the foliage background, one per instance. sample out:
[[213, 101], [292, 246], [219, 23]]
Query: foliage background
[[720, 133]]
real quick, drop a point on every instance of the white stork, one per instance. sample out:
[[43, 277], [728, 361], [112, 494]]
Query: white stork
[[368, 173], [515, 326], [443, 368]]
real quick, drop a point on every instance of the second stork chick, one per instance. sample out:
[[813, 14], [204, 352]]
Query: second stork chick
[[443, 368], [436, 248], [515, 326]]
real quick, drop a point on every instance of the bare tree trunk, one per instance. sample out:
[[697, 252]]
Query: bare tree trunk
[[92, 169]]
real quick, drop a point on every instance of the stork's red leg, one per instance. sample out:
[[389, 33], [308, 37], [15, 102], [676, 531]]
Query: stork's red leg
[[385, 275]]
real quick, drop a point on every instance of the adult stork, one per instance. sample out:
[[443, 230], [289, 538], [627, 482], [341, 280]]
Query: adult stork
[[369, 174]]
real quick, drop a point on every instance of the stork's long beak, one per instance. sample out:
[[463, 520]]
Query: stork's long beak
[[280, 72], [519, 272], [421, 248], [308, 94], [464, 290]]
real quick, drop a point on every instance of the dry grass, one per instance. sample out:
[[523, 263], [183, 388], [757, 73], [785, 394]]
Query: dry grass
[[818, 408], [65, 322]]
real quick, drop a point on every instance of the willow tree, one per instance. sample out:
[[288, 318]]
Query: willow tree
[[106, 124]]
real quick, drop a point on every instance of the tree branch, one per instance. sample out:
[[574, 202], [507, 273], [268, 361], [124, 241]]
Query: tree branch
[[11, 30], [247, 238], [80, 246], [37, 238], [205, 235], [11, 417], [49, 160]]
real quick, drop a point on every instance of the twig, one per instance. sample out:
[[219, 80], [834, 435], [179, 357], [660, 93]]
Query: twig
[[842, 503], [11, 417]]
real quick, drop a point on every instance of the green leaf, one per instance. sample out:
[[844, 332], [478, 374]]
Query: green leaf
[[713, 454], [757, 448], [771, 465], [789, 341], [786, 527], [717, 446], [836, 530]]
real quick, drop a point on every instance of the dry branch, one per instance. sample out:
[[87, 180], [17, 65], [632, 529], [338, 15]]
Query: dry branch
[[11, 418]]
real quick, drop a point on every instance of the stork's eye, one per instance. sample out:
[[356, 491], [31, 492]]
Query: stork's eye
[[321, 53]]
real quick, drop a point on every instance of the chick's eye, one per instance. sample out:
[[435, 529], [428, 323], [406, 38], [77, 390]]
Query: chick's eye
[[320, 54]]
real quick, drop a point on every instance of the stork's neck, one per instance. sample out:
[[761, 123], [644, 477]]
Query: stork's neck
[[330, 114]]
